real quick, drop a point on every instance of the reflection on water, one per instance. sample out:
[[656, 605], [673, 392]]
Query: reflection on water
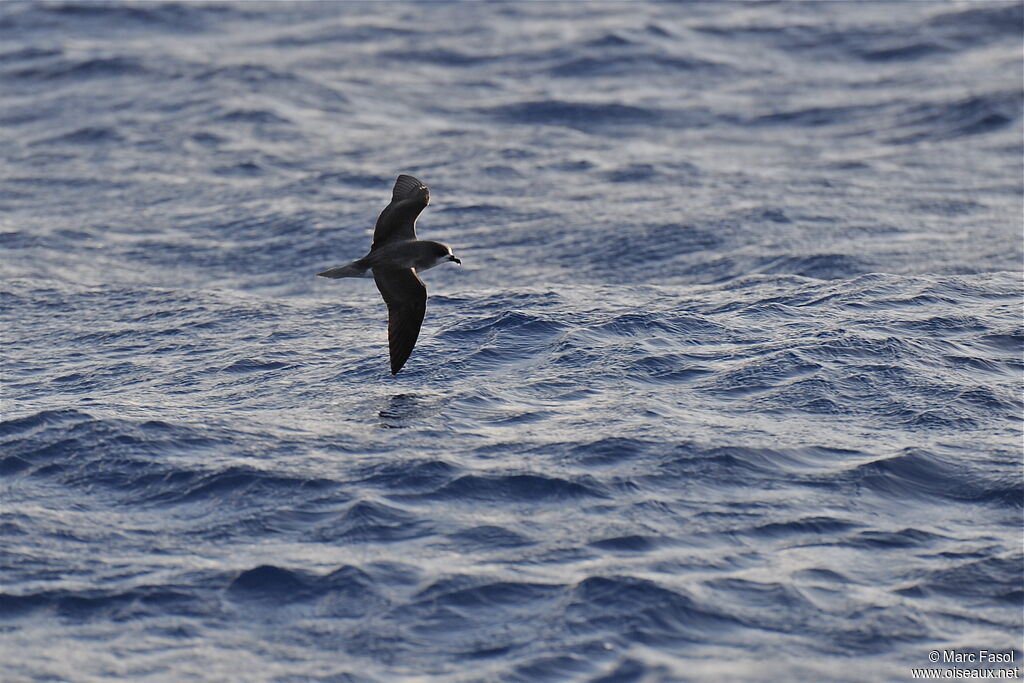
[[400, 408]]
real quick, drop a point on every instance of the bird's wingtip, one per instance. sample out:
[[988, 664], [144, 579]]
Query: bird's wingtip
[[407, 186]]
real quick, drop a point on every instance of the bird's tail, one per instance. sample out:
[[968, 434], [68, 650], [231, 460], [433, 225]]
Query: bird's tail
[[353, 269]]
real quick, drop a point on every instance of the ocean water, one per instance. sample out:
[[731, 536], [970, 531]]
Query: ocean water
[[728, 386]]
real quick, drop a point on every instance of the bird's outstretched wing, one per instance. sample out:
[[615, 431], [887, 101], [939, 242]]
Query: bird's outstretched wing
[[398, 219], [406, 297]]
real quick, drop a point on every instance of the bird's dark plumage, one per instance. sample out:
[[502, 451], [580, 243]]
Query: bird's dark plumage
[[394, 259], [406, 297], [398, 219]]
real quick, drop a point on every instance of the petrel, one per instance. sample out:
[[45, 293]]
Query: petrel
[[395, 257]]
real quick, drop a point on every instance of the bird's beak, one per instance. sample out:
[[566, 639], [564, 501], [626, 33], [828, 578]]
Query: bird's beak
[[452, 258]]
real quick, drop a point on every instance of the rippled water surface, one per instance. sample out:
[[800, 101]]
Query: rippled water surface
[[727, 388]]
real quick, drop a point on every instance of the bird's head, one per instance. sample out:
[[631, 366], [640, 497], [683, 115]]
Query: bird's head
[[442, 252], [436, 255]]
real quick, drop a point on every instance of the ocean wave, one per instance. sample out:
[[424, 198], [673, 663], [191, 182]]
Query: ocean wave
[[970, 116], [110, 456], [582, 115], [77, 69], [926, 475], [513, 488]]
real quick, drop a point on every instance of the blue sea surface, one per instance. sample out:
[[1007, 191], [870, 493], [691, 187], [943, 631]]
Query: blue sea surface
[[727, 388]]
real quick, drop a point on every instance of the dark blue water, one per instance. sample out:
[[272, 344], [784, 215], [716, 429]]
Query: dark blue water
[[727, 388]]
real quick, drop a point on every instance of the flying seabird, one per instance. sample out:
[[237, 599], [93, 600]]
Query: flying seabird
[[394, 259]]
